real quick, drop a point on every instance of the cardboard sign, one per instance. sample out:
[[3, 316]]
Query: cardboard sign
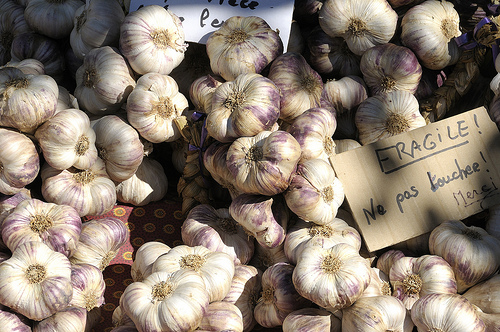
[[406, 185], [201, 17]]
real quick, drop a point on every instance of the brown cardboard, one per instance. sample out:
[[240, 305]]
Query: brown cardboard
[[404, 186]]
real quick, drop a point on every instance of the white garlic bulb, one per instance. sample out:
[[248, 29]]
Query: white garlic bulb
[[68, 319], [145, 256], [379, 284], [446, 313], [362, 24], [13, 322], [340, 270], [222, 316], [387, 258], [36, 281], [312, 320], [387, 115], [152, 40], [486, 295], [429, 30], [154, 105], [242, 45], [67, 140], [88, 286]]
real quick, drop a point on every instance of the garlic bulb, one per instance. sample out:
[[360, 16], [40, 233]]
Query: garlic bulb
[[58, 226], [52, 19], [387, 258], [67, 140], [414, 277], [341, 271], [379, 284], [222, 316], [311, 320], [242, 45], [445, 312], [265, 163], [12, 322], [265, 257], [12, 23], [279, 296], [89, 191], [88, 286], [216, 230], [148, 184], [473, 254], [119, 318], [152, 40], [486, 295], [202, 90], [265, 218], [314, 131], [243, 107], [429, 29], [390, 67], [95, 23], [67, 319], [166, 301], [346, 144], [28, 100], [387, 115], [19, 161], [302, 234], [300, 85], [244, 293], [28, 66], [330, 56], [154, 105], [103, 81], [119, 146], [315, 194], [377, 313], [215, 268], [9, 202], [36, 281], [100, 241], [145, 256], [65, 100], [361, 24]]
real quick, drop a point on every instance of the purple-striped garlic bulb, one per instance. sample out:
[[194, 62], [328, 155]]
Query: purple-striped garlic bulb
[[242, 45], [312, 319], [299, 84], [11, 321], [222, 316], [152, 40], [243, 107], [36, 281], [100, 241], [58, 226], [145, 256], [68, 319], [88, 286]]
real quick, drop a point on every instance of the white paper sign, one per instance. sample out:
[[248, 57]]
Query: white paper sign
[[201, 17]]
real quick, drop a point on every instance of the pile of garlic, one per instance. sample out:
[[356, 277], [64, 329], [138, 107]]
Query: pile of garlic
[[252, 126]]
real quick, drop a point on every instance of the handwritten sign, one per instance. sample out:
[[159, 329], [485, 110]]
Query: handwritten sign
[[406, 185], [201, 17]]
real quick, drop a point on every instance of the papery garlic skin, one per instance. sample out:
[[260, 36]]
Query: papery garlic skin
[[100, 241], [166, 301], [302, 234], [36, 281], [28, 66], [58, 226], [311, 320], [243, 107], [202, 90], [387, 258], [300, 85], [68, 319], [445, 312], [429, 29], [28, 100], [361, 24], [19, 161], [244, 293], [263, 164], [89, 191], [332, 278], [279, 296], [152, 40], [387, 115], [379, 284], [414, 277], [473, 254], [145, 256], [88, 286], [242, 45], [222, 316], [378, 313], [265, 257], [390, 67], [67, 140], [215, 268], [216, 230], [315, 194], [153, 106], [12, 323], [486, 295]]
